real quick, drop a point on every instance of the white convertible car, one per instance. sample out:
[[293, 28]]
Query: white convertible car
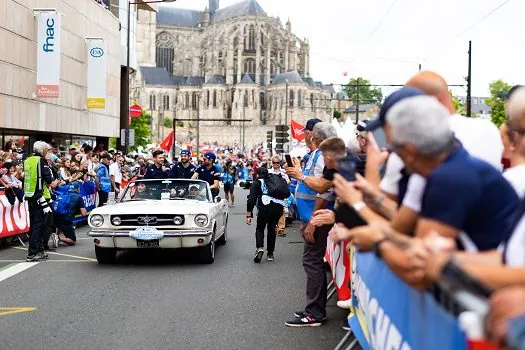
[[162, 214]]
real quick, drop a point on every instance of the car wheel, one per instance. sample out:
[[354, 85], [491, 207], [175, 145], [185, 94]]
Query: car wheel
[[105, 255], [207, 253], [224, 237]]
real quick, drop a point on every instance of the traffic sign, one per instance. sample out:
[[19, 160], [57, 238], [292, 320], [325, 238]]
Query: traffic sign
[[131, 137], [135, 110]]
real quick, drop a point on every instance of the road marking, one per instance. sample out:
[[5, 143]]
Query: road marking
[[15, 310], [61, 260], [13, 269], [60, 254]]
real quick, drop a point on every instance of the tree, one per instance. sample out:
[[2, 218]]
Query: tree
[[167, 123], [461, 107], [142, 128], [496, 101], [337, 115], [367, 94]]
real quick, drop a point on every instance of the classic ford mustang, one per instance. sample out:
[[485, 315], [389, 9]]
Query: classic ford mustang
[[167, 213]]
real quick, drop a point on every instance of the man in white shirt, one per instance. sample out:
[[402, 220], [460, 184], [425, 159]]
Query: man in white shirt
[[277, 170], [115, 173]]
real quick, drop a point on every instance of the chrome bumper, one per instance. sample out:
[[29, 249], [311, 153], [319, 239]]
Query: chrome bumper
[[172, 239]]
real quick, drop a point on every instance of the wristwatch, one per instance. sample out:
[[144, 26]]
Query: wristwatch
[[303, 177], [376, 247], [359, 206]]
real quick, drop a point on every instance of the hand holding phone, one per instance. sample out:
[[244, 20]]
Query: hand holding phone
[[288, 159]]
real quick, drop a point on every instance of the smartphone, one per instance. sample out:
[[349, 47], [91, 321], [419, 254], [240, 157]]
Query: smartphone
[[347, 216], [288, 159], [347, 168]]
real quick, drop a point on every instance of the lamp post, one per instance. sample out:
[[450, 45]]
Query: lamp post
[[286, 105], [125, 121]]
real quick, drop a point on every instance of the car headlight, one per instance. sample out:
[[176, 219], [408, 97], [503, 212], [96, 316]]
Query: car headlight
[[178, 220], [201, 220], [96, 220], [116, 220]]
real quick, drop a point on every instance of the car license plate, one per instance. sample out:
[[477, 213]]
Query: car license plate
[[148, 244]]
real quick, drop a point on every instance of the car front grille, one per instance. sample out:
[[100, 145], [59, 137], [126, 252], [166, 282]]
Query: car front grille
[[147, 220]]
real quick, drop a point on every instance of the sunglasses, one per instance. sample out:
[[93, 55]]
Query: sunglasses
[[276, 162]]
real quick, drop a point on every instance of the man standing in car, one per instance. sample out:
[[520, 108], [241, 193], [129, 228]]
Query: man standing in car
[[185, 166], [209, 173], [157, 170]]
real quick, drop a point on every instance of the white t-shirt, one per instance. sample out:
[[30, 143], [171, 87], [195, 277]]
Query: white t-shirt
[[479, 137], [515, 248], [279, 172], [516, 177], [114, 170]]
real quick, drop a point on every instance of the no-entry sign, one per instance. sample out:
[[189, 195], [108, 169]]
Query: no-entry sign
[[135, 111]]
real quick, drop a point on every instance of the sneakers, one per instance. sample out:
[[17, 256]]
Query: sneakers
[[345, 326], [301, 314], [54, 240], [42, 256], [258, 255], [269, 257], [306, 321]]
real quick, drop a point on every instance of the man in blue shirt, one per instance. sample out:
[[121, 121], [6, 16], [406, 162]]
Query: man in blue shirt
[[209, 173], [186, 168], [157, 169], [65, 223]]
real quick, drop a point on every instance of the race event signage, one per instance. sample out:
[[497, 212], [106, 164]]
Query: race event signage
[[96, 74], [48, 54]]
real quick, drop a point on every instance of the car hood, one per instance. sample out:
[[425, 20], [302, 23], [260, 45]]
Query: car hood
[[155, 207]]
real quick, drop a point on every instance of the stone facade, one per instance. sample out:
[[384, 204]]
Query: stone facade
[[231, 63], [19, 108]]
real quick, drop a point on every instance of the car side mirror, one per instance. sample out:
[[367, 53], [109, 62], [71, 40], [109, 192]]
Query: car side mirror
[[217, 199]]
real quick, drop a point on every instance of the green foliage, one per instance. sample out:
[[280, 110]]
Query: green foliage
[[367, 94], [142, 130], [496, 101], [112, 144], [167, 123], [461, 108], [337, 115]]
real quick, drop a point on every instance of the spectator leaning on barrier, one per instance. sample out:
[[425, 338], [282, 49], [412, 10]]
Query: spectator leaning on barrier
[[13, 186], [103, 179], [38, 180], [313, 194]]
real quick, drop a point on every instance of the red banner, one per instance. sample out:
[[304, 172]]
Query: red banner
[[167, 144], [13, 219], [339, 259], [297, 131]]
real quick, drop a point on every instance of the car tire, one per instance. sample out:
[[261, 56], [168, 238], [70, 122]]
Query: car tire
[[224, 238], [105, 255], [207, 253]]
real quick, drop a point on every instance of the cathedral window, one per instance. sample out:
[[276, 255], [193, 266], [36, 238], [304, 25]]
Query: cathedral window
[[152, 102], [312, 102], [291, 99], [262, 100], [165, 57], [249, 40], [246, 98], [166, 102], [194, 100], [249, 67], [214, 98], [186, 100], [208, 98], [300, 98]]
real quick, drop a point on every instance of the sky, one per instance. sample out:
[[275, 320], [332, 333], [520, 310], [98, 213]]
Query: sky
[[384, 41]]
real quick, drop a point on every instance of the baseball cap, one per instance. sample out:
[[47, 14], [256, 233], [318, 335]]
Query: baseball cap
[[72, 147], [311, 123], [211, 156], [390, 101], [185, 152]]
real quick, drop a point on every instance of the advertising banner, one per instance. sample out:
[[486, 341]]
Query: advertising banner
[[339, 259], [14, 219], [389, 314], [96, 73], [88, 192], [48, 54]]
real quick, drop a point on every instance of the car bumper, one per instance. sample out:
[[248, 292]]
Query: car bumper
[[171, 239]]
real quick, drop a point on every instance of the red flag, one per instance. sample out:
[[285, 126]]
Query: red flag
[[297, 131], [167, 144]]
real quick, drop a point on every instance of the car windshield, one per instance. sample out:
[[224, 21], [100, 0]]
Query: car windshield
[[142, 190]]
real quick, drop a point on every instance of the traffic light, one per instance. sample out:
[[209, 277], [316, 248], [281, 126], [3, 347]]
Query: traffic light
[[281, 137], [269, 139]]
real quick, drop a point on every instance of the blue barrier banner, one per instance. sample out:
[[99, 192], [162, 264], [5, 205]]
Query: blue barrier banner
[[88, 192], [389, 314]]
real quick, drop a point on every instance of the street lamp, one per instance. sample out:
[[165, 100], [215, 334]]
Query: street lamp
[[126, 120], [287, 102]]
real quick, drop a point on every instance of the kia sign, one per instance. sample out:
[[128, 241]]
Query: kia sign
[[96, 73], [48, 54], [135, 111]]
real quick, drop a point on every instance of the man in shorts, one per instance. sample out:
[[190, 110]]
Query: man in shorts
[[229, 178]]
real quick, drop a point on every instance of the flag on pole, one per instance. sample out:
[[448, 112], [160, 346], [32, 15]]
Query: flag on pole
[[297, 131], [167, 144]]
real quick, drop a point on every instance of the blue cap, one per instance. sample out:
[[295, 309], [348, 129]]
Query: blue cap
[[210, 156], [185, 152], [311, 123], [74, 186], [390, 101]]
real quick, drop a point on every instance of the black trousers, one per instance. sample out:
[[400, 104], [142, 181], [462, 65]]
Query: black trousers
[[102, 198], [267, 218], [37, 220], [313, 263]]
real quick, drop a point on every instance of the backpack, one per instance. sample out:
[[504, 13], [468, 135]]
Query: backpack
[[277, 187], [62, 203]]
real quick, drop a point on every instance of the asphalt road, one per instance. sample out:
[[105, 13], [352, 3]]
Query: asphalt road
[[163, 301]]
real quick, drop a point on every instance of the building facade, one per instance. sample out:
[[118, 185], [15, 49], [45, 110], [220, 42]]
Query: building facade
[[24, 117], [228, 64]]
